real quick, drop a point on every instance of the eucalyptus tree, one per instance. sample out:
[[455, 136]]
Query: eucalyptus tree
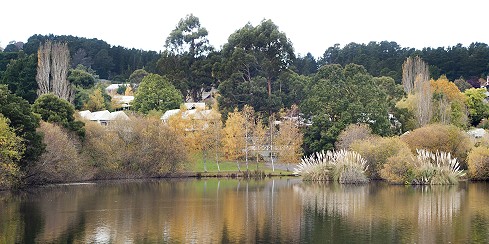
[[338, 97], [184, 61], [253, 55]]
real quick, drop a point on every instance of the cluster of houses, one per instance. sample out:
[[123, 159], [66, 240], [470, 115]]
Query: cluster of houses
[[194, 110]]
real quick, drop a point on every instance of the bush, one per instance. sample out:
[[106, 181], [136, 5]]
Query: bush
[[478, 163], [61, 161], [140, 147], [426, 168], [438, 137], [352, 133], [342, 166], [377, 151], [399, 169]]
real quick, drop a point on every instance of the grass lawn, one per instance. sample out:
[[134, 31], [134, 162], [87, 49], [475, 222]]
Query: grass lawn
[[196, 164]]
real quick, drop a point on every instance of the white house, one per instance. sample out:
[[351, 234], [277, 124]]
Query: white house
[[112, 88], [124, 101], [103, 117]]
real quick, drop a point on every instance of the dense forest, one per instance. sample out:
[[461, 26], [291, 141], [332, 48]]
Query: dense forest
[[390, 88]]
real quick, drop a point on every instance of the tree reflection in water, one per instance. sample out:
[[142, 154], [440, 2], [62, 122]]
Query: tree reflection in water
[[272, 210]]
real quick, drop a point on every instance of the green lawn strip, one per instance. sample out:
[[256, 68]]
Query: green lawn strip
[[196, 165]]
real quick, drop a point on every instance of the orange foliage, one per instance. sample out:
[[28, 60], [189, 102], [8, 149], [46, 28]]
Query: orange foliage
[[446, 87]]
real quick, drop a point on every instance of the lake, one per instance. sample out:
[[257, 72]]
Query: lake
[[284, 210]]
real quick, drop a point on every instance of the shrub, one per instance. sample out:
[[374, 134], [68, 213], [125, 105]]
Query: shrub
[[61, 161], [438, 137], [426, 168], [352, 133], [399, 169], [346, 167], [377, 150], [478, 163], [140, 147]]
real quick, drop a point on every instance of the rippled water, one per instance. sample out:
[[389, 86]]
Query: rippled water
[[267, 211]]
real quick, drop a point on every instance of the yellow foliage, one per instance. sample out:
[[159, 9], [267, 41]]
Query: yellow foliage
[[438, 137], [377, 150], [447, 88], [234, 136], [128, 91], [95, 101], [478, 163], [290, 139]]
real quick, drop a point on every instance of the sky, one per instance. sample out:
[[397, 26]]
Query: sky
[[312, 26]]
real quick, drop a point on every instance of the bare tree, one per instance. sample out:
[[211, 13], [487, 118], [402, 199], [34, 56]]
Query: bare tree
[[43, 68], [416, 80], [60, 59], [52, 70]]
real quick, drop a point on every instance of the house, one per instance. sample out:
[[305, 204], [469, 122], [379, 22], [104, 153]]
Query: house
[[194, 111], [112, 88], [124, 101], [103, 117]]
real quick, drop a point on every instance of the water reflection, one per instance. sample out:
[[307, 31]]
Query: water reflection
[[215, 211]]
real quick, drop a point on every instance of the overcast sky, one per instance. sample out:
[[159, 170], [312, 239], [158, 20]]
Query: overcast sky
[[312, 26]]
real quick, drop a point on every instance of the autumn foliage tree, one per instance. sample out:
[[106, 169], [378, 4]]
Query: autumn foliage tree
[[234, 136], [11, 151]]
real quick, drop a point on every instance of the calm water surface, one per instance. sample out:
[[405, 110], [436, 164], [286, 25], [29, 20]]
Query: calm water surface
[[266, 211]]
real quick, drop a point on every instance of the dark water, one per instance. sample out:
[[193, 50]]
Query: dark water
[[223, 211]]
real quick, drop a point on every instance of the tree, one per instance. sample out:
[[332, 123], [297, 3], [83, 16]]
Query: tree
[[185, 61], [234, 137], [24, 123], [416, 80], [448, 103], [56, 110], [95, 101], [476, 105], [251, 55], [338, 97], [20, 77], [289, 139], [11, 152], [52, 70], [81, 77], [137, 76], [156, 92]]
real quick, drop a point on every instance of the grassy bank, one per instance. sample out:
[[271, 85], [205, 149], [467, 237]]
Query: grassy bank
[[230, 169]]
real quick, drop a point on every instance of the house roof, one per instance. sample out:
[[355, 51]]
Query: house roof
[[103, 115]]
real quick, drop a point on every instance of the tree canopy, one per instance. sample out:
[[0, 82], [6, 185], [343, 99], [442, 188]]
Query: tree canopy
[[341, 96], [156, 93]]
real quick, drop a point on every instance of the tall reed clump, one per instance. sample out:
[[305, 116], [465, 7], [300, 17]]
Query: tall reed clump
[[346, 167], [427, 168]]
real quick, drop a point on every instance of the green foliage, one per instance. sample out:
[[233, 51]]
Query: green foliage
[[53, 109], [186, 63], [342, 166], [377, 152], [81, 77], [11, 151], [156, 92], [137, 76], [478, 163], [252, 61], [341, 96], [443, 138], [24, 123], [478, 108], [20, 77]]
